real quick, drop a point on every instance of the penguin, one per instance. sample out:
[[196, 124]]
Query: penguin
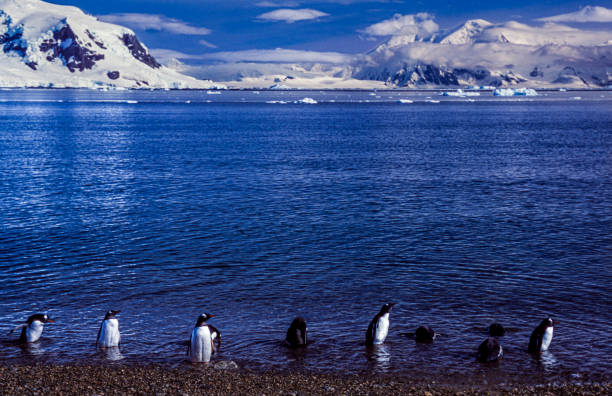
[[201, 344], [490, 350], [108, 335], [496, 330], [32, 329], [542, 336], [379, 326], [424, 334], [296, 334]]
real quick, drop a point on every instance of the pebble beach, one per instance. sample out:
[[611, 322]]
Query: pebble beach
[[226, 379]]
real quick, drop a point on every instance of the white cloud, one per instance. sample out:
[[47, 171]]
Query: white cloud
[[420, 24], [207, 44], [280, 55], [290, 16], [155, 22], [276, 4], [587, 14]]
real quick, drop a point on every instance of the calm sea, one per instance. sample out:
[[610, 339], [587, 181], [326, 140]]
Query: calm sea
[[169, 204]]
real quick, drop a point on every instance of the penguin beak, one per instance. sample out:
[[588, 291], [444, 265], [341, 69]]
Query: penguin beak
[[49, 320], [210, 316], [116, 312]]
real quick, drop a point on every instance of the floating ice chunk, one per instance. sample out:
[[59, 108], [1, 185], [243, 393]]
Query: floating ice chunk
[[213, 92], [460, 93], [306, 101], [131, 101], [432, 101], [276, 102], [405, 101], [577, 98], [515, 92]]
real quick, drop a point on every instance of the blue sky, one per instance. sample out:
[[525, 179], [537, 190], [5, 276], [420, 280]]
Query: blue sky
[[201, 26]]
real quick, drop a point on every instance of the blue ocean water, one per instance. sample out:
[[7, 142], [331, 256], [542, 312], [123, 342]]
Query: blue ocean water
[[169, 204]]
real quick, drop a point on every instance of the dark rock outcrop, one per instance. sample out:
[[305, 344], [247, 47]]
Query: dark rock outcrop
[[422, 75], [138, 51], [67, 47], [113, 75]]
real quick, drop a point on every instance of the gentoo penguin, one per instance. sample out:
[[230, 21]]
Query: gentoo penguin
[[108, 335], [496, 330], [542, 336], [296, 334], [32, 329], [201, 344], [490, 350], [379, 326], [424, 334]]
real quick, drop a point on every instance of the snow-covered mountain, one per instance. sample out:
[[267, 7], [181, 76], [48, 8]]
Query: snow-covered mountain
[[479, 52], [48, 45]]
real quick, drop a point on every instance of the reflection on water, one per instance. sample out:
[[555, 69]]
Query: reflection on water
[[464, 214], [380, 356], [111, 354]]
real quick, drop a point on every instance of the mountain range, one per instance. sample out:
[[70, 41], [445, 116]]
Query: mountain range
[[47, 45]]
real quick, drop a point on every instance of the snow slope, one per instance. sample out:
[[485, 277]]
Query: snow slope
[[48, 45], [482, 53]]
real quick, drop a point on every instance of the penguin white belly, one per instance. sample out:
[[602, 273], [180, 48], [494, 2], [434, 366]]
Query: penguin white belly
[[34, 331], [382, 329], [546, 338], [109, 333], [201, 344]]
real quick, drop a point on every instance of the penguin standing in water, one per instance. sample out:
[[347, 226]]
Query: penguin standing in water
[[490, 350], [201, 344], [542, 336], [32, 329], [296, 334], [108, 335], [379, 326]]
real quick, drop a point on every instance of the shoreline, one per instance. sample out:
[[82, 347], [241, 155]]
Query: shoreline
[[225, 379]]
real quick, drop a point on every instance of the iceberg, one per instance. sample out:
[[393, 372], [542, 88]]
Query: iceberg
[[306, 101], [460, 93], [515, 92], [405, 101]]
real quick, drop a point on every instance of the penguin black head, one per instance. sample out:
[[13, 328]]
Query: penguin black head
[[386, 308], [424, 334], [111, 314], [496, 330], [546, 323], [43, 318], [203, 318]]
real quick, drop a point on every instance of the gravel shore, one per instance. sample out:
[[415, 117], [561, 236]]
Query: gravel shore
[[156, 380]]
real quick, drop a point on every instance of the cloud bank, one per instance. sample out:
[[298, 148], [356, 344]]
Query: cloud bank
[[155, 22], [587, 14], [420, 24], [290, 15]]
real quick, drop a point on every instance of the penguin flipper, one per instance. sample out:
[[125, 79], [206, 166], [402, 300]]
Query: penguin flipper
[[21, 326], [214, 330], [99, 332], [371, 332], [535, 342]]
